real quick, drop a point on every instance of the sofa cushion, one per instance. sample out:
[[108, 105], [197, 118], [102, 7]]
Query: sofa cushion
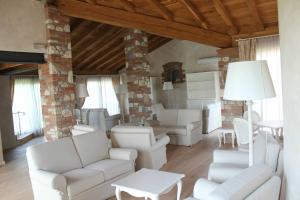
[[178, 130], [79, 180], [220, 172], [91, 147], [167, 117], [58, 156], [186, 116], [111, 168], [243, 184]]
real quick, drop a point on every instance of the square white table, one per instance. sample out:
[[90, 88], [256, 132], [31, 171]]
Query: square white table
[[149, 183]]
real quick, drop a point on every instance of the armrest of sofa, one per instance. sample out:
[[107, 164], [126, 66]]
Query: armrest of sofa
[[123, 154], [160, 143], [49, 179], [230, 156], [194, 125], [203, 188]]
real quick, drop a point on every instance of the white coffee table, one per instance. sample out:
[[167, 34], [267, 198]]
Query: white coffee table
[[149, 183]]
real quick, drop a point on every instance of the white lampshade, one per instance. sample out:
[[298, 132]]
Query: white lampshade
[[248, 80], [168, 85], [81, 90]]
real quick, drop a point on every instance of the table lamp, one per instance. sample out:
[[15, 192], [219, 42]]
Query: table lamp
[[248, 81], [81, 93]]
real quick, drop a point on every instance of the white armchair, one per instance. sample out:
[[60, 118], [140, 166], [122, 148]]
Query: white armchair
[[184, 125], [228, 163], [151, 153], [82, 129], [254, 183]]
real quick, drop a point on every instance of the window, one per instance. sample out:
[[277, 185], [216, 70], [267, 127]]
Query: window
[[27, 112], [269, 49], [102, 95]]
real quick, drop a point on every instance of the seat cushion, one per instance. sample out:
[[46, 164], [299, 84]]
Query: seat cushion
[[91, 147], [178, 130], [220, 172], [111, 168], [58, 156], [80, 180]]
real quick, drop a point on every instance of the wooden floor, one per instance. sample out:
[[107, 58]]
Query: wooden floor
[[192, 161]]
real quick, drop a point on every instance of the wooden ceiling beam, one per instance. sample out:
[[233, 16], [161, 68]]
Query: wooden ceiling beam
[[127, 5], [108, 62], [85, 54], [114, 65], [96, 55], [161, 9], [83, 29], [272, 30], [224, 13], [194, 11], [94, 2], [9, 65], [118, 17], [254, 12]]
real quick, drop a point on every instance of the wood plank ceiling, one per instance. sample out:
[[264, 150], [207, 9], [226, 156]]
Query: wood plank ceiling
[[97, 37], [99, 48]]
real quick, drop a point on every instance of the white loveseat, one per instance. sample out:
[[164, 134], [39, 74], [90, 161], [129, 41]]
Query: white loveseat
[[228, 163], [254, 183], [151, 153], [77, 168], [184, 125]]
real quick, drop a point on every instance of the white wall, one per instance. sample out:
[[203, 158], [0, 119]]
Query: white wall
[[22, 23], [289, 25], [180, 51]]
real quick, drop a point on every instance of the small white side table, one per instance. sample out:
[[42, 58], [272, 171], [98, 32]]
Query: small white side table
[[222, 132], [149, 183]]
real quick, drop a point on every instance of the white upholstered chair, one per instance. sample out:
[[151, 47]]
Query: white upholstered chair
[[241, 130], [255, 183], [77, 168], [255, 118], [228, 163], [151, 153]]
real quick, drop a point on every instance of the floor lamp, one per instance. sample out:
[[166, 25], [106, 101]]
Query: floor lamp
[[248, 81], [168, 86], [81, 94]]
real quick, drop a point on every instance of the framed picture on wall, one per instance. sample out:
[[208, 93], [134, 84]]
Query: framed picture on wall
[[173, 72]]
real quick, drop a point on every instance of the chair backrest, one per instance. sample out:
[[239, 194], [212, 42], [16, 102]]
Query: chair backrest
[[92, 146], [187, 116], [255, 117], [58, 156], [138, 137], [249, 184], [82, 129], [241, 130], [168, 117]]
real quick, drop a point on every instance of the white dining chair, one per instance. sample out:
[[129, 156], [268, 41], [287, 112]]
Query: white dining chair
[[242, 133], [255, 119]]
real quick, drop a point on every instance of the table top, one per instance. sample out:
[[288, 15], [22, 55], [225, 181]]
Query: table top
[[149, 181], [271, 124]]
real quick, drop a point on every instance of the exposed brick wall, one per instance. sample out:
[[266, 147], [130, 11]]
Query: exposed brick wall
[[56, 77], [138, 75], [230, 109]]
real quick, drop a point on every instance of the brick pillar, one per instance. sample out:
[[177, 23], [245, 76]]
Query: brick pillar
[[138, 75], [56, 77], [230, 109]]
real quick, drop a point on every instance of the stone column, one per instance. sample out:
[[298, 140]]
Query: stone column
[[56, 77], [230, 109], [138, 75]]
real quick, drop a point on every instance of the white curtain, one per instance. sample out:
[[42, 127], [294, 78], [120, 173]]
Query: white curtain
[[269, 49], [102, 95], [27, 111]]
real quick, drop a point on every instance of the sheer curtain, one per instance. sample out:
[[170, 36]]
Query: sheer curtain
[[27, 111], [268, 49], [102, 95]]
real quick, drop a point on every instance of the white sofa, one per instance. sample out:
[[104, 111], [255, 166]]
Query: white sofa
[[77, 168], [228, 163], [82, 129], [184, 125], [151, 153], [254, 183]]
